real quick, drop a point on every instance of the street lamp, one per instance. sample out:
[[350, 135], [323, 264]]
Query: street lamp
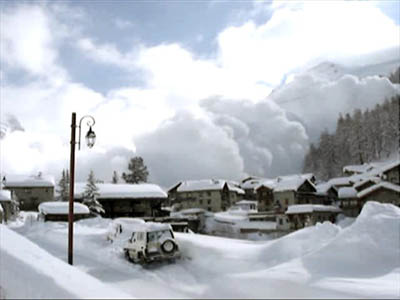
[[90, 140]]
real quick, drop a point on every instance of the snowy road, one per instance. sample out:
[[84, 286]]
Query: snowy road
[[299, 265]]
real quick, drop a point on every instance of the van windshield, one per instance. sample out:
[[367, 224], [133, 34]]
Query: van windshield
[[156, 235]]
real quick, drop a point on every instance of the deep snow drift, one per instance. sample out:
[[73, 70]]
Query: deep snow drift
[[28, 271], [322, 261]]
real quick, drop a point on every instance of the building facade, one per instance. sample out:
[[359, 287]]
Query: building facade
[[127, 200], [209, 194], [30, 191]]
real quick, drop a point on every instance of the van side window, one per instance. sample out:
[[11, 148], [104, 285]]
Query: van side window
[[140, 236]]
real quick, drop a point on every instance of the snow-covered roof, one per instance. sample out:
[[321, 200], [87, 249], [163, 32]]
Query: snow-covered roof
[[383, 184], [347, 192], [286, 183], [373, 168], [5, 195], [291, 184], [189, 211], [201, 185], [245, 202], [253, 183], [323, 188], [123, 191], [340, 181], [28, 181], [308, 176], [208, 185], [269, 183], [368, 179], [309, 208], [61, 208], [384, 168], [148, 226], [358, 168], [234, 187]]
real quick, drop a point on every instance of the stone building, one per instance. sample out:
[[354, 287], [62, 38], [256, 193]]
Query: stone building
[[304, 215], [30, 191], [209, 194]]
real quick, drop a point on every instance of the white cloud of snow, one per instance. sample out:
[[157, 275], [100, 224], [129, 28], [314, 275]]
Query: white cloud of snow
[[188, 147], [247, 133], [316, 101]]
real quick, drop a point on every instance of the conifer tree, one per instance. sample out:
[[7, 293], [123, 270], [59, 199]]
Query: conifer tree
[[90, 194], [115, 177], [63, 186], [138, 171]]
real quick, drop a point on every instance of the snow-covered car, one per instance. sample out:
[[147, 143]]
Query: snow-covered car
[[121, 228], [151, 242]]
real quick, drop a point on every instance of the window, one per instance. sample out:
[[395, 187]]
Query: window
[[200, 194], [209, 208], [140, 236], [201, 201], [157, 235], [208, 201], [208, 193]]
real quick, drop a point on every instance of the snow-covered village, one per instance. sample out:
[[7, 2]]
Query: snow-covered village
[[200, 149]]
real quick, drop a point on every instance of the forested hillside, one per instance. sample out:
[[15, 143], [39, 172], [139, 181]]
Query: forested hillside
[[363, 136]]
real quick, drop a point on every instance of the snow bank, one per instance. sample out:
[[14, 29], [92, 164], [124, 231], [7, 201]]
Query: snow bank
[[30, 272], [61, 208], [309, 208], [368, 247], [5, 195]]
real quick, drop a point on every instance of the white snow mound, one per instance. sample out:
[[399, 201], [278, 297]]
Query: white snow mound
[[30, 272], [368, 247]]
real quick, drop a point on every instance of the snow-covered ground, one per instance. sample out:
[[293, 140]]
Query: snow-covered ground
[[358, 260]]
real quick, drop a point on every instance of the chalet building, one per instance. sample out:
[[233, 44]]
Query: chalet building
[[265, 195], [58, 211], [327, 192], [389, 172], [366, 183], [209, 194], [304, 215], [349, 202], [249, 185], [127, 200], [294, 190], [271, 192], [384, 192], [30, 191]]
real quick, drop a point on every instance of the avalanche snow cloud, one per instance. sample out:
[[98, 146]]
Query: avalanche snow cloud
[[133, 86]]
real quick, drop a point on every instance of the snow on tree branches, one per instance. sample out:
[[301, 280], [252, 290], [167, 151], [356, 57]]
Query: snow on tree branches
[[359, 138], [90, 194]]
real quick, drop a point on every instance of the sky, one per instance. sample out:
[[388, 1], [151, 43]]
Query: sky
[[199, 89]]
